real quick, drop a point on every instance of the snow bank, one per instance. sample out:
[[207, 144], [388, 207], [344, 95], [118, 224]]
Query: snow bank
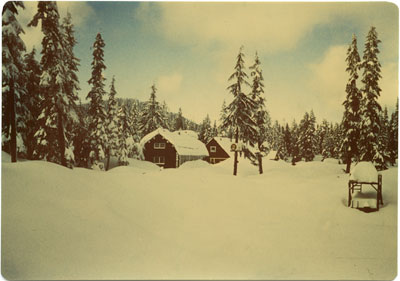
[[195, 164], [364, 172], [292, 222]]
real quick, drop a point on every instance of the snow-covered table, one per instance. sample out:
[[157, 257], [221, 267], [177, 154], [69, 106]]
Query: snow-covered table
[[364, 173]]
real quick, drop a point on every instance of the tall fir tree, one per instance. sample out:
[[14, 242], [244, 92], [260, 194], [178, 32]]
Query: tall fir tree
[[179, 121], [12, 75], [370, 123], [123, 134], [205, 133], [352, 111], [97, 114], [306, 136], [32, 101], [153, 115], [240, 110], [111, 124], [57, 104], [394, 135]]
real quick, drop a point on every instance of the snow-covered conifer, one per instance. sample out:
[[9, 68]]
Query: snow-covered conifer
[[152, 116], [306, 136], [97, 114], [123, 134], [31, 101], [57, 102], [370, 123], [111, 124], [205, 130], [352, 113], [393, 135], [179, 121], [12, 76]]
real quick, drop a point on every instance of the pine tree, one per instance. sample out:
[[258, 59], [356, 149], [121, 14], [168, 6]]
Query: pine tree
[[12, 75], [370, 123], [97, 115], [240, 111], [384, 136], [179, 121], [205, 130], [123, 134], [31, 101], [214, 131], [295, 151], [306, 136], [134, 119], [57, 103], [111, 124], [352, 112], [153, 116], [393, 135]]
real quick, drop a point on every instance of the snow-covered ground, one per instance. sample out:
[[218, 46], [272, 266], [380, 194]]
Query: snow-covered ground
[[197, 221]]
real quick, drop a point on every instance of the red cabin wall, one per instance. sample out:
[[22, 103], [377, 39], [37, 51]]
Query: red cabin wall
[[169, 152], [219, 155]]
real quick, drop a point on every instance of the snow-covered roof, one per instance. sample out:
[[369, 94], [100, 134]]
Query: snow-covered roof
[[226, 143], [185, 141], [364, 172]]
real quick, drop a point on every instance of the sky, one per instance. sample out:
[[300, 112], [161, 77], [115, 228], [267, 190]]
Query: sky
[[189, 51]]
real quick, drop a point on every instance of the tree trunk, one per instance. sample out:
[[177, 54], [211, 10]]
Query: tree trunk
[[348, 164], [260, 167], [108, 159], [236, 153], [13, 138], [61, 139]]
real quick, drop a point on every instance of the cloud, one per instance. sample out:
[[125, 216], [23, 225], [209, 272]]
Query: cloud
[[169, 84], [389, 85], [269, 27], [81, 12]]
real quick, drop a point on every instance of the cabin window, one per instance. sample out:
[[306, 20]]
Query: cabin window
[[159, 145], [159, 160], [213, 148]]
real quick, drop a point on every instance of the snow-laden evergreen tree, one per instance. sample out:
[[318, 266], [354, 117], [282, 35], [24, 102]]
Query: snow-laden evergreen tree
[[97, 114], [393, 135], [31, 101], [240, 110], [214, 131], [384, 137], [287, 141], [134, 119], [295, 151], [306, 136], [227, 132], [370, 123], [12, 76], [123, 134], [153, 116], [352, 113], [322, 132], [283, 152], [260, 116], [205, 133], [57, 101], [81, 141], [179, 121], [275, 136], [111, 124]]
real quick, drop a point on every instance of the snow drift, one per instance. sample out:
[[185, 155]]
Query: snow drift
[[289, 223]]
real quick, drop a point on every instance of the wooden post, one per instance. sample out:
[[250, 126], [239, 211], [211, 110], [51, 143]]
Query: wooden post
[[349, 196], [236, 153], [260, 168]]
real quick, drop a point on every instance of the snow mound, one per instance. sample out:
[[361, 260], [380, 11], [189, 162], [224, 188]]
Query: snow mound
[[5, 157], [194, 164], [364, 172], [145, 165], [331, 160]]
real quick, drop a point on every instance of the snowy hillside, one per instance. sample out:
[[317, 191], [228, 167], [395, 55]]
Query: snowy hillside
[[197, 222]]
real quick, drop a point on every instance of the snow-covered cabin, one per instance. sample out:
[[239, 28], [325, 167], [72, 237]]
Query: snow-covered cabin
[[219, 149], [171, 149]]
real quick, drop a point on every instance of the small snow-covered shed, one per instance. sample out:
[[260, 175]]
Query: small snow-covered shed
[[219, 149], [171, 149]]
